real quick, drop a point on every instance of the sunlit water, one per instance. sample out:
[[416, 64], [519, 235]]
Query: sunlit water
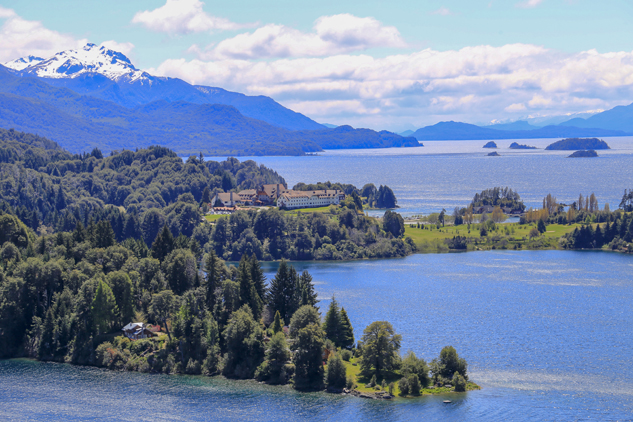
[[445, 174], [546, 333]]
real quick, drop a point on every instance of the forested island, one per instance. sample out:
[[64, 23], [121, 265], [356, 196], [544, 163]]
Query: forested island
[[490, 144], [515, 145], [584, 154], [578, 144]]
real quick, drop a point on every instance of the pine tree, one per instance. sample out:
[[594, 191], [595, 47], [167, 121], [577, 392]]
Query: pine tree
[[163, 245], [104, 309], [212, 278], [258, 277], [60, 198], [346, 337], [277, 323], [248, 293], [332, 322], [282, 295], [306, 288]]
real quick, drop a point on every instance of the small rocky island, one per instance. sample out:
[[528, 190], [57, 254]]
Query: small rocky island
[[514, 145], [574, 144], [494, 154], [490, 144], [584, 154]]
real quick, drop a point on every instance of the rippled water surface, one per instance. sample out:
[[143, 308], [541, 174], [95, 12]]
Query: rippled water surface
[[445, 174], [546, 333]]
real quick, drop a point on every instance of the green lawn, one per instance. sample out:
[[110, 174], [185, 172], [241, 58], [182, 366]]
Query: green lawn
[[308, 210], [432, 238], [211, 218]]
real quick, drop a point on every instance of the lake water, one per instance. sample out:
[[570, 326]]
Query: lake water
[[547, 334], [446, 174]]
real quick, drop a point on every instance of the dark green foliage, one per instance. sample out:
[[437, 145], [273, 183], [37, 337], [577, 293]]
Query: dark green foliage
[[448, 363], [414, 384], [412, 365], [305, 315], [346, 336], [244, 345], [104, 308], [336, 374], [278, 323], [541, 226], [332, 322], [459, 382], [273, 369], [503, 197], [380, 345], [283, 294], [393, 223], [578, 144], [163, 245], [404, 386], [308, 357], [385, 198], [162, 306], [248, 293]]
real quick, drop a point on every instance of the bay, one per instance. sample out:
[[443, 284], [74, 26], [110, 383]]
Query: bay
[[446, 174], [547, 334]]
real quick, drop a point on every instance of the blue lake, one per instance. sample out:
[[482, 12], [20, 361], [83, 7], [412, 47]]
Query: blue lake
[[446, 174], [547, 334]]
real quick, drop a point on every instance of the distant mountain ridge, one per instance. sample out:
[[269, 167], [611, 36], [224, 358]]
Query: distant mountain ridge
[[457, 131], [81, 122], [109, 75]]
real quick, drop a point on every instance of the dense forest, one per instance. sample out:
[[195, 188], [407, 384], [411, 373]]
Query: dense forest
[[65, 297], [139, 192]]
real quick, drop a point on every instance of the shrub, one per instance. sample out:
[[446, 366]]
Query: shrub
[[193, 367], [335, 375], [349, 383], [372, 383], [414, 384], [403, 385], [346, 355], [459, 382]]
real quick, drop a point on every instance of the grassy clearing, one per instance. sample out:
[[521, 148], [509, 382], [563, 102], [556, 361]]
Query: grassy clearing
[[505, 236], [308, 211], [212, 218], [353, 369]]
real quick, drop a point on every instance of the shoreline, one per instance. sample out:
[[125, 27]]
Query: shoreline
[[373, 395]]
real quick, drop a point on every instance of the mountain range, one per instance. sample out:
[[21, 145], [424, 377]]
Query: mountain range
[[455, 131], [96, 97]]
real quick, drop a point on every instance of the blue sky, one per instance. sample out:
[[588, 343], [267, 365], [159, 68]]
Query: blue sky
[[379, 64]]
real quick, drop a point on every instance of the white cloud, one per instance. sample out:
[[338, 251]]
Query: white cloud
[[20, 37], [183, 17], [442, 11], [478, 83], [512, 108], [122, 47], [332, 35], [528, 4]]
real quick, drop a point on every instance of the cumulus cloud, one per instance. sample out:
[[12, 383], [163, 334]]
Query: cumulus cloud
[[183, 17], [477, 83], [528, 4], [335, 34], [20, 37], [122, 47]]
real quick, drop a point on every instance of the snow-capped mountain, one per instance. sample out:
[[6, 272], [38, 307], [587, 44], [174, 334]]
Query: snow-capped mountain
[[73, 63], [23, 62], [109, 75]]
